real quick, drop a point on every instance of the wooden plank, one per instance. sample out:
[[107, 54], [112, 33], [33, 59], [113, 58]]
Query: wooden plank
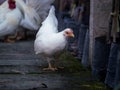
[[21, 62], [99, 11], [21, 69], [29, 82], [18, 57], [18, 47]]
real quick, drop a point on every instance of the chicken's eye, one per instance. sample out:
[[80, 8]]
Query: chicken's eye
[[67, 32]]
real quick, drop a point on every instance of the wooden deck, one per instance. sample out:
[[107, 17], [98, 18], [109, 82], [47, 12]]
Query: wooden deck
[[20, 69]]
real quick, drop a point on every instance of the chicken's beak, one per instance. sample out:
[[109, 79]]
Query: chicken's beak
[[72, 35]]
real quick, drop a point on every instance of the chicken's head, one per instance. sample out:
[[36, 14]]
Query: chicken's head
[[68, 32], [11, 4]]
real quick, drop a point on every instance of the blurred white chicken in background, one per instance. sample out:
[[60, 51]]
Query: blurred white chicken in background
[[49, 42], [10, 17], [30, 19], [28, 14]]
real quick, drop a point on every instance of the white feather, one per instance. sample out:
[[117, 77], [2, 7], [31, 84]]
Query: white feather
[[31, 19], [50, 24]]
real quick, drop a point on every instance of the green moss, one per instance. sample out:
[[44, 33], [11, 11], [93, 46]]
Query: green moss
[[70, 64], [83, 75]]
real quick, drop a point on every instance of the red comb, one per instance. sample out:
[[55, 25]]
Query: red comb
[[11, 4]]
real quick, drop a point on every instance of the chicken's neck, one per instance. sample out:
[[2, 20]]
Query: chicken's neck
[[11, 4], [62, 33]]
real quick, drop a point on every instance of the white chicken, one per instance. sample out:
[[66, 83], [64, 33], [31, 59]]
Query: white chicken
[[9, 18], [30, 19], [49, 41], [23, 14]]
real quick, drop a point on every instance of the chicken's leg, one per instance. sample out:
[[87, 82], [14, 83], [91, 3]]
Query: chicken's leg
[[50, 67], [10, 38]]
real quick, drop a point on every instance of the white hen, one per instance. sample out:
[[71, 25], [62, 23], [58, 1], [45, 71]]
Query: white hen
[[49, 41], [9, 19], [25, 15]]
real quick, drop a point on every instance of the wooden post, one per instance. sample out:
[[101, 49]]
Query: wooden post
[[61, 5], [57, 4], [99, 16]]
